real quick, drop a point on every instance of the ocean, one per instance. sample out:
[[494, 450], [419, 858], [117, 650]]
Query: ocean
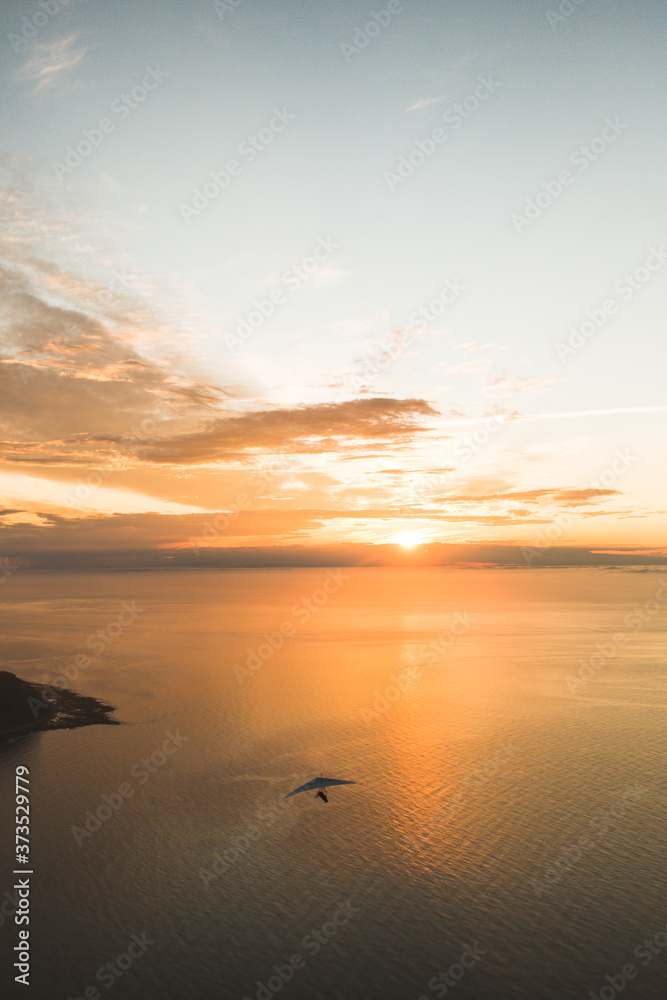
[[505, 836]]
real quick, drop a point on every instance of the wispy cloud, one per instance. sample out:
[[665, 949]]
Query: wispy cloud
[[508, 388], [49, 62], [616, 410], [556, 495], [425, 102], [329, 276]]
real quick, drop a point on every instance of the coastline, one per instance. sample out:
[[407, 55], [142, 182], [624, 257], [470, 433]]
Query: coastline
[[18, 701]]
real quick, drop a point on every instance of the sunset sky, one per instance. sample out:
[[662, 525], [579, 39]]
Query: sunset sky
[[422, 303]]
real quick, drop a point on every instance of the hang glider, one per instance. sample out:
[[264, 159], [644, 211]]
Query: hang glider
[[320, 784]]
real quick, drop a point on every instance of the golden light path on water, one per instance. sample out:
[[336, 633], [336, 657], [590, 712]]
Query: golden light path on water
[[492, 719]]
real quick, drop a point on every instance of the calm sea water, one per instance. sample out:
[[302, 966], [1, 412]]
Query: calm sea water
[[498, 808]]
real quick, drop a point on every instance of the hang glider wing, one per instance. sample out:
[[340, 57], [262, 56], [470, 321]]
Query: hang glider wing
[[319, 783]]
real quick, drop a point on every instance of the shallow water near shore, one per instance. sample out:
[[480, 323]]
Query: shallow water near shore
[[506, 730]]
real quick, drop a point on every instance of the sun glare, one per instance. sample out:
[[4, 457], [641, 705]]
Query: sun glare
[[408, 539]]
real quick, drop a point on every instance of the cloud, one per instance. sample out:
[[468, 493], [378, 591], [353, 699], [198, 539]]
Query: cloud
[[48, 62], [78, 389], [49, 531], [85, 386], [79, 373], [75, 260], [478, 554], [559, 496], [614, 411], [64, 372], [425, 102], [314, 428], [507, 388], [328, 275]]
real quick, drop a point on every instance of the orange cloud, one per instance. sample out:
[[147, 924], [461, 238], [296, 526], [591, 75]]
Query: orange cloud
[[562, 497], [304, 429]]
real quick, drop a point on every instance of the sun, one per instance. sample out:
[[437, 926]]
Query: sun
[[408, 539]]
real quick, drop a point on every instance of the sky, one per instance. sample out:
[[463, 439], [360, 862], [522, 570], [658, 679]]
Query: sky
[[290, 278]]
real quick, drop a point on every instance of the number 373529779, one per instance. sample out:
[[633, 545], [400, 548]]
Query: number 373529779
[[22, 814]]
